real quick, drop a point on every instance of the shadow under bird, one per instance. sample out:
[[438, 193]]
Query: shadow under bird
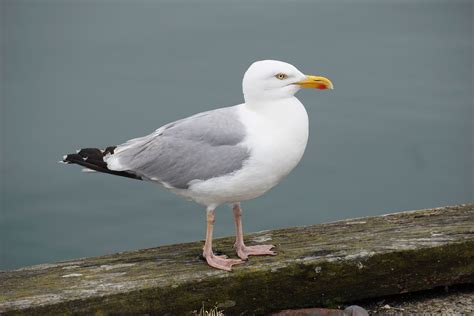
[[227, 155]]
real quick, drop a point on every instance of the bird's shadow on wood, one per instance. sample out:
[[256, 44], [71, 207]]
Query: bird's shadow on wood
[[216, 252]]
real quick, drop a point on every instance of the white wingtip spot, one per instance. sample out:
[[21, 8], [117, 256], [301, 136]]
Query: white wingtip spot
[[88, 170], [64, 157], [77, 151], [63, 162]]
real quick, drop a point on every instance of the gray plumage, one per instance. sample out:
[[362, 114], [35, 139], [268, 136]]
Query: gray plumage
[[199, 147]]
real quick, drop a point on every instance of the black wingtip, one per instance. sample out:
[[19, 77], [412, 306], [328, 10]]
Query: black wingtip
[[93, 158]]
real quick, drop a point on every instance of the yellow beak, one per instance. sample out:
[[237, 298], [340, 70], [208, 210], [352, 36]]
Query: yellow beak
[[316, 82]]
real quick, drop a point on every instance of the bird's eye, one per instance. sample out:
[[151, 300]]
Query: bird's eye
[[281, 76]]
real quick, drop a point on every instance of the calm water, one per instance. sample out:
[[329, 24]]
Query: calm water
[[395, 134]]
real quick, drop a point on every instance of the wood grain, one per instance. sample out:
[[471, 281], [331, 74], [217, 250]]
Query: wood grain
[[319, 265]]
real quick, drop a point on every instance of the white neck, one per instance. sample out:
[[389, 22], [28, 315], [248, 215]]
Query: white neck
[[271, 108]]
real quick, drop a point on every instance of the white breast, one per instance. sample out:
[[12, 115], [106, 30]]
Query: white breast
[[277, 134]]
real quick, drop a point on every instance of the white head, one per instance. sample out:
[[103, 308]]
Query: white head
[[271, 79]]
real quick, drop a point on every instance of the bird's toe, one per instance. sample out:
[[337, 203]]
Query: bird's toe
[[258, 250]]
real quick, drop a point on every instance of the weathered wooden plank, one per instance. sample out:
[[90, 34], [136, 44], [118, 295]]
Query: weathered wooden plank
[[317, 265]]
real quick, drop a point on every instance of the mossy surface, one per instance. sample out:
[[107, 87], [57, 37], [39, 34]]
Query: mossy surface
[[319, 265]]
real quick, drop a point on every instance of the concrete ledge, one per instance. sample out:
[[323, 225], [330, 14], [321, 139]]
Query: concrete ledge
[[319, 265]]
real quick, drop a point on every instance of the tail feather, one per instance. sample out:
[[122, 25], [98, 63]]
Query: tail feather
[[93, 158]]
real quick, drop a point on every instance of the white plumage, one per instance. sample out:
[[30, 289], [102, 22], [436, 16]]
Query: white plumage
[[276, 137], [226, 155]]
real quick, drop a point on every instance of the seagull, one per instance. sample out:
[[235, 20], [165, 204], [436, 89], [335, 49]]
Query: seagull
[[223, 156]]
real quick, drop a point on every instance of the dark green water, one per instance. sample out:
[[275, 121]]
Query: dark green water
[[395, 134]]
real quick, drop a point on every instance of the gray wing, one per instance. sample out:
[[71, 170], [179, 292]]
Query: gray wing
[[200, 147]]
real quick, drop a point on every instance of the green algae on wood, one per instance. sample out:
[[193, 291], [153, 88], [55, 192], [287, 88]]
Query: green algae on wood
[[319, 265]]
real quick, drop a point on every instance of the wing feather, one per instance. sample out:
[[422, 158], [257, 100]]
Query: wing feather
[[200, 147]]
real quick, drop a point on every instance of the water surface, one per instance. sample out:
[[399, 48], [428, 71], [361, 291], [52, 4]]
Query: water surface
[[395, 134]]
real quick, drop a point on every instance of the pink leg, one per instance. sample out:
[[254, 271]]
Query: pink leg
[[218, 262], [245, 251]]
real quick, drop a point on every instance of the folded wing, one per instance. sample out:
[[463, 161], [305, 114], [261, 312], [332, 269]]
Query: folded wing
[[200, 147]]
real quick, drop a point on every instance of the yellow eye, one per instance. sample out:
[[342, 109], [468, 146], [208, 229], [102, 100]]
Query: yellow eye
[[281, 76]]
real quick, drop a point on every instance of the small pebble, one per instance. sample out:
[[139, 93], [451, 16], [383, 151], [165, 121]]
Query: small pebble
[[356, 310]]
